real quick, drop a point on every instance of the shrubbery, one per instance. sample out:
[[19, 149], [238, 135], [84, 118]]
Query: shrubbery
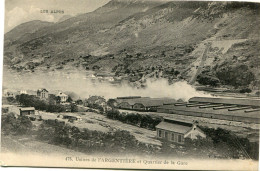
[[96, 102], [245, 90], [205, 79], [238, 75], [96, 106], [12, 125], [11, 99], [91, 141], [232, 145]]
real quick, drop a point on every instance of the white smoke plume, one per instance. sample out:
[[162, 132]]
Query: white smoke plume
[[81, 84]]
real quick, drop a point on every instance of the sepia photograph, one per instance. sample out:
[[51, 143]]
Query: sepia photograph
[[130, 84]]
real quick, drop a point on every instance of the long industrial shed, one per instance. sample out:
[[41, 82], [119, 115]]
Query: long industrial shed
[[232, 109]]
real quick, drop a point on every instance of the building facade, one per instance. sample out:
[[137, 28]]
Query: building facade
[[27, 111], [23, 92], [176, 131], [42, 93], [63, 97]]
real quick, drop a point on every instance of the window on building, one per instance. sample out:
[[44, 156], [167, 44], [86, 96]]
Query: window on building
[[166, 135], [160, 133], [172, 138], [179, 138]]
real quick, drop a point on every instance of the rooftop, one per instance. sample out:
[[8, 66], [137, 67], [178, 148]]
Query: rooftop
[[173, 127], [27, 108], [235, 101], [179, 121], [147, 101], [209, 108], [61, 94], [42, 89]]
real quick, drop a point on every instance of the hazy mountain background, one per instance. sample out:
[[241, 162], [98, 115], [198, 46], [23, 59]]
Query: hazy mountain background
[[207, 43]]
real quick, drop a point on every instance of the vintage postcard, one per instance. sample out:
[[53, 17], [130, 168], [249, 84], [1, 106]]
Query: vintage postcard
[[131, 84]]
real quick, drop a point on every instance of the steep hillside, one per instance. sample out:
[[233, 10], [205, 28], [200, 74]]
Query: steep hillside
[[195, 41], [24, 29]]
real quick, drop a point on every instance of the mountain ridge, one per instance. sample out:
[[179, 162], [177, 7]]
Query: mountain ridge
[[150, 34]]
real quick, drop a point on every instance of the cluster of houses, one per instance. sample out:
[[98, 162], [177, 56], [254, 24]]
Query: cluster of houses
[[42, 93]]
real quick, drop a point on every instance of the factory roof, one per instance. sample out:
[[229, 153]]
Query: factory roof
[[235, 101], [147, 102], [233, 109], [173, 127], [27, 108]]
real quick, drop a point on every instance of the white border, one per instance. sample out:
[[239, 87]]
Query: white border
[[2, 14]]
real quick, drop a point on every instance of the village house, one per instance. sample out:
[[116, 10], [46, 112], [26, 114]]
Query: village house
[[63, 97], [27, 111], [42, 93], [176, 131], [23, 92], [30, 113]]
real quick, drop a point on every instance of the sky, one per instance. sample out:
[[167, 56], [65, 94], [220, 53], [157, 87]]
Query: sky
[[20, 11]]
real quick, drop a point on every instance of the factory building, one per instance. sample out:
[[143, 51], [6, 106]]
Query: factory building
[[232, 109], [142, 103]]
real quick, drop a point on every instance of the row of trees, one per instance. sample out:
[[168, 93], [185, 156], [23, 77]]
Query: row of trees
[[96, 102], [143, 121]]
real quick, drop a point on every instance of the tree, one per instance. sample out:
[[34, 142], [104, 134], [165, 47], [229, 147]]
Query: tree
[[79, 102], [74, 108], [11, 99], [245, 90], [69, 99], [176, 72], [236, 75], [58, 99], [52, 99], [205, 79], [25, 125], [111, 102]]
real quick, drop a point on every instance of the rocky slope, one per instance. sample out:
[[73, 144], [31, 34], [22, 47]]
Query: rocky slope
[[140, 39]]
